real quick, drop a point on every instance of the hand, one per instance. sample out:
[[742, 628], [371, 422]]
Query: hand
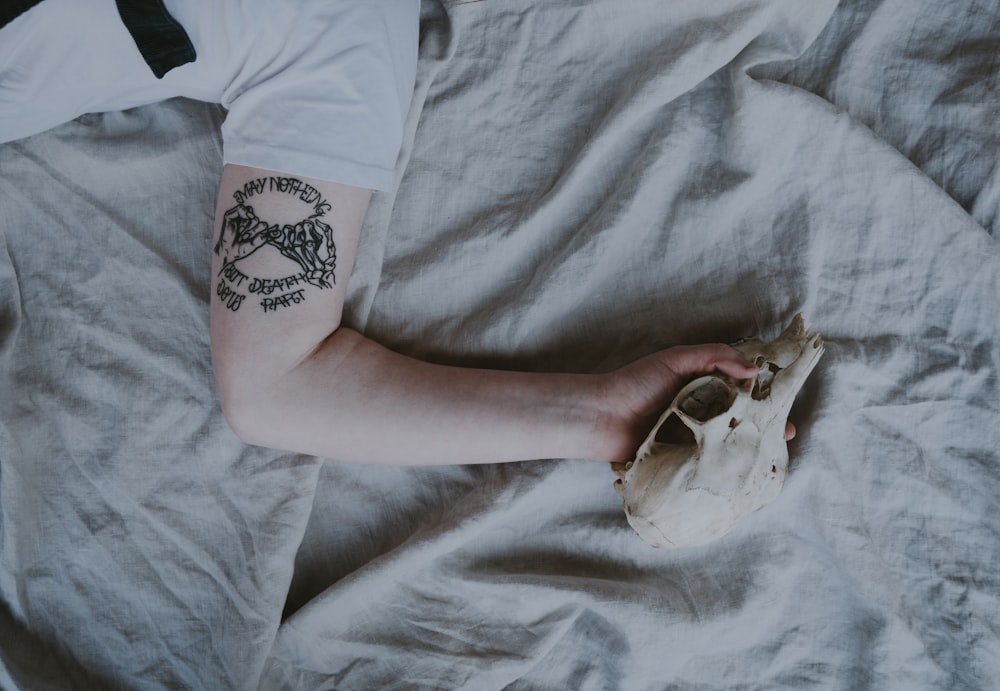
[[638, 393], [241, 234], [309, 243]]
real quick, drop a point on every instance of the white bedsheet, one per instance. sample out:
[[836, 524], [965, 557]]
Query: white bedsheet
[[582, 182]]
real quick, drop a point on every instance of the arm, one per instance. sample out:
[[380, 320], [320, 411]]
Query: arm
[[290, 377]]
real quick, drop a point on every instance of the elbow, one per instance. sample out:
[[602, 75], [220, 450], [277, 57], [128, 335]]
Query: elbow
[[283, 402], [241, 409], [245, 396]]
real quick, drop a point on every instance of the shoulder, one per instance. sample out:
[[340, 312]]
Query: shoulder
[[329, 99]]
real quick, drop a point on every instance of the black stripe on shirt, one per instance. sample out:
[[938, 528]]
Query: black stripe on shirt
[[162, 41], [12, 9]]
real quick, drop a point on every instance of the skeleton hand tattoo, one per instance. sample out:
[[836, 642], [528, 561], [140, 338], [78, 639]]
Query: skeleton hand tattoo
[[241, 234], [308, 242]]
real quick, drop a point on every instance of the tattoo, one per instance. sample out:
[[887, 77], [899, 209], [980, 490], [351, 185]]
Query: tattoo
[[282, 300], [303, 238]]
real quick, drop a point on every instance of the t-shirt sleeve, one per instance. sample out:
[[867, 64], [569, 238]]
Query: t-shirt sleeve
[[328, 96]]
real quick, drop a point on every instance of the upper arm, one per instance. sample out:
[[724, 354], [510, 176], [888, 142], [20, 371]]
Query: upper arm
[[282, 250]]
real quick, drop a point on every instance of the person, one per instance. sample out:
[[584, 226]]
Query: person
[[316, 94]]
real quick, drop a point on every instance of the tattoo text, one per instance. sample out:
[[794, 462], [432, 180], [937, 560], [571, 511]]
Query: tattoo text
[[305, 239]]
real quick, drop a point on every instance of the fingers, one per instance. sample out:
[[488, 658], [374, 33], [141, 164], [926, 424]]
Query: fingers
[[704, 359], [688, 362], [260, 233]]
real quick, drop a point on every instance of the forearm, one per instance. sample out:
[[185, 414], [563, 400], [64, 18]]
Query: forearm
[[290, 377], [355, 400]]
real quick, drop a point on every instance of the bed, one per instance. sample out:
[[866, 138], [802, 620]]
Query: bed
[[582, 182]]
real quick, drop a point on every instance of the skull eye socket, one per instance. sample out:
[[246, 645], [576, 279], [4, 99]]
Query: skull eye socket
[[674, 431], [707, 400]]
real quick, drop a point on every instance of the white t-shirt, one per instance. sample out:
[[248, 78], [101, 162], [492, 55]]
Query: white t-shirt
[[317, 88]]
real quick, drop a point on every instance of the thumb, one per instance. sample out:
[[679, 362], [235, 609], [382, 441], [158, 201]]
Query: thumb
[[705, 359]]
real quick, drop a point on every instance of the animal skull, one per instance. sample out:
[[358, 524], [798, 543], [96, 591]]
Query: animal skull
[[718, 452]]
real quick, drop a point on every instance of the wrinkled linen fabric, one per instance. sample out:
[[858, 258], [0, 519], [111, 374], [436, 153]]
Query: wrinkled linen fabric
[[580, 184]]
